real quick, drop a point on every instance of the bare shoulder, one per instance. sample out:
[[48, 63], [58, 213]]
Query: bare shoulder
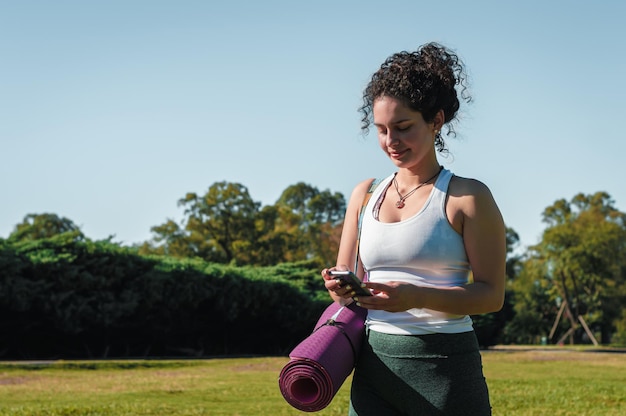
[[470, 197], [460, 187], [355, 203], [359, 191]]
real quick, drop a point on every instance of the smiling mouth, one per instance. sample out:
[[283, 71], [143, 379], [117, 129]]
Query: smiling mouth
[[396, 153]]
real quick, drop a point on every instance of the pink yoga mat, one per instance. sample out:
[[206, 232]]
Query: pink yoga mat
[[320, 364]]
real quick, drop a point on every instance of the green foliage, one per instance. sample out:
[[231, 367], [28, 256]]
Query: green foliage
[[315, 218], [226, 226], [237, 277], [37, 226], [535, 308], [513, 259], [619, 336], [581, 260], [69, 298], [64, 297]]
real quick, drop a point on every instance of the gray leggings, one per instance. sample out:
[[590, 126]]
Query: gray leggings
[[425, 375]]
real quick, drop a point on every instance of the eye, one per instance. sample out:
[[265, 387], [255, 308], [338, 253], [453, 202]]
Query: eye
[[403, 128]]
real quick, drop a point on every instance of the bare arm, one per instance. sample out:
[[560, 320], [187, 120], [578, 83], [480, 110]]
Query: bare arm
[[346, 255]]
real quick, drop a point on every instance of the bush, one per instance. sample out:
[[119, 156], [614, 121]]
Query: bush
[[62, 297]]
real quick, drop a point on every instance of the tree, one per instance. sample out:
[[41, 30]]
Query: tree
[[225, 225], [222, 222], [581, 260], [314, 217], [169, 239], [219, 226], [38, 226], [274, 244], [513, 260], [534, 308]]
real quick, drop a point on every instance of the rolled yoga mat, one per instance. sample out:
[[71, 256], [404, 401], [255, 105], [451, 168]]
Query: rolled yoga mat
[[320, 364]]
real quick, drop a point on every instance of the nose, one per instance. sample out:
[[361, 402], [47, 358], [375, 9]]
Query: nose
[[391, 140]]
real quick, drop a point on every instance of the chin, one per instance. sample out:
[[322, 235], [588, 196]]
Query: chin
[[399, 163]]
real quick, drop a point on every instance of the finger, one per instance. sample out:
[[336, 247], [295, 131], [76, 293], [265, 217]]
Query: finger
[[343, 283], [345, 292], [362, 301], [381, 287], [326, 273]]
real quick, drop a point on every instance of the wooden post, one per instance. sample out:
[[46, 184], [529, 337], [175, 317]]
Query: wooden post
[[558, 318], [569, 333], [593, 339], [570, 316]]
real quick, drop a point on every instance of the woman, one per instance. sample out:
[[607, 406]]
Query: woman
[[433, 245]]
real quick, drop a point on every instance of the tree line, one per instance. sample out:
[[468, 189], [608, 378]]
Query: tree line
[[235, 277], [225, 225]]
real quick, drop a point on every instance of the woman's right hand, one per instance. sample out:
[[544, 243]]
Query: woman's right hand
[[338, 290]]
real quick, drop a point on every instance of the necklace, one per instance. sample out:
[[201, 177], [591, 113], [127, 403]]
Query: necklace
[[400, 203]]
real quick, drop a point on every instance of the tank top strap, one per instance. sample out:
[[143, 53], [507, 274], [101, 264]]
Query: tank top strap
[[440, 190]]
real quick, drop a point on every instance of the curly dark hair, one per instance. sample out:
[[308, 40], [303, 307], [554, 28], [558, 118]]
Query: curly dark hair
[[424, 80]]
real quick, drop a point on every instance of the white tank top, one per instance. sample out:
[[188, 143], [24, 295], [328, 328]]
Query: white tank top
[[423, 250]]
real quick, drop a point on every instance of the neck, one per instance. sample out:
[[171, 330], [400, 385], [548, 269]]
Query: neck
[[410, 178]]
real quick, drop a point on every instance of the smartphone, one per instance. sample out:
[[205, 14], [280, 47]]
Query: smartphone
[[350, 278]]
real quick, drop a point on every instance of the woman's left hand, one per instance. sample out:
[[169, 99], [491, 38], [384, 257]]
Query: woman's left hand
[[390, 297]]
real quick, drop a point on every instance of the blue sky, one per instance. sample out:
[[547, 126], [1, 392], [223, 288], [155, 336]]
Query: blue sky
[[110, 111]]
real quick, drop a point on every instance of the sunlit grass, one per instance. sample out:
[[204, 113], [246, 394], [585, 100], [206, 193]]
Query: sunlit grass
[[546, 382], [556, 382]]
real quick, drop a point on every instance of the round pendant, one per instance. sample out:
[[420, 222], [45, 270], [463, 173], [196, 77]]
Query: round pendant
[[400, 204]]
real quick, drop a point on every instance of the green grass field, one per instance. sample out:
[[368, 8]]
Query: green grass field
[[550, 382]]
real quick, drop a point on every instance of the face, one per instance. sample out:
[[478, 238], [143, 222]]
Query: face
[[403, 134]]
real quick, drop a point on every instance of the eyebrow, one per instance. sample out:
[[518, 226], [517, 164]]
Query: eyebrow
[[395, 122]]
